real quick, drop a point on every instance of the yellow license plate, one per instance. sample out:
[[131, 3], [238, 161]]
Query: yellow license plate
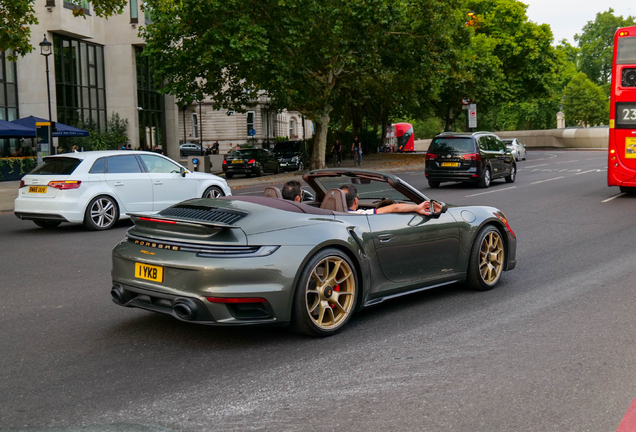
[[237, 161], [148, 272], [450, 164], [37, 189]]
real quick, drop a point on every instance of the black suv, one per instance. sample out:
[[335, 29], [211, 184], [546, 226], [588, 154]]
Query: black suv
[[250, 162], [478, 157], [290, 155]]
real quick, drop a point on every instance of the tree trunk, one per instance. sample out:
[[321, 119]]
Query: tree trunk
[[320, 141]]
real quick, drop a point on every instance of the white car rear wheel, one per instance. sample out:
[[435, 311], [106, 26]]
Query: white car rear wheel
[[101, 214]]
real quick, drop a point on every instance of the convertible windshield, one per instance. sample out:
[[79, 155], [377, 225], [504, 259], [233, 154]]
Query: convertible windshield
[[367, 189]]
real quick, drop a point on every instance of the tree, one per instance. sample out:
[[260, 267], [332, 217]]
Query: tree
[[306, 54], [17, 15], [585, 103], [509, 60], [596, 44], [112, 137]]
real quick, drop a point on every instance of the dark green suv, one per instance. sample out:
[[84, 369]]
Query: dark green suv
[[478, 157]]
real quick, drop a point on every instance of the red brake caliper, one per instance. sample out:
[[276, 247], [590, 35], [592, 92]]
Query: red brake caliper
[[336, 288]]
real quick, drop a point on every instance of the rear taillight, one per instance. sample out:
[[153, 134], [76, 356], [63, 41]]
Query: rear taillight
[[472, 156], [224, 162], [236, 300], [251, 161], [430, 156], [157, 220], [22, 184], [66, 184]]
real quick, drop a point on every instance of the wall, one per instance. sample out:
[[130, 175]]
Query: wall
[[584, 138]]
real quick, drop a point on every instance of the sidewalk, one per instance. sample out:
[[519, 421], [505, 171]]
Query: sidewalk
[[376, 162]]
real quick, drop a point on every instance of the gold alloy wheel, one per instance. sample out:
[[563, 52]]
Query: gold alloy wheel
[[491, 257], [330, 293]]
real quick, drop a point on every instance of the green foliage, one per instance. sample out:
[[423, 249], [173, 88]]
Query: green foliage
[[507, 60], [113, 137], [585, 103], [309, 55], [596, 44], [17, 15], [15, 167]]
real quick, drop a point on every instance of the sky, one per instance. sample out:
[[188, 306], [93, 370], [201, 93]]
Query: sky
[[567, 17]]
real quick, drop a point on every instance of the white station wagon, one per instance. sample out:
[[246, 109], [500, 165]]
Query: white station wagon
[[98, 188]]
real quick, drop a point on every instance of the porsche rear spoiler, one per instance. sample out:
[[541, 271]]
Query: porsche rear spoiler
[[140, 218], [170, 228]]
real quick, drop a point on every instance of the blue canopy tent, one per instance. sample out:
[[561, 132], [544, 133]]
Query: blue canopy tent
[[62, 129], [13, 130]]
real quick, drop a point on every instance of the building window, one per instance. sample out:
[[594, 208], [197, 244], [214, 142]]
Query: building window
[[292, 128], [195, 126], [80, 87], [147, 14], [250, 122], [151, 120], [8, 101], [134, 12], [83, 6]]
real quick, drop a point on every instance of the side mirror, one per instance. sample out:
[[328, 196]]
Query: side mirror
[[443, 210], [307, 196], [182, 171]]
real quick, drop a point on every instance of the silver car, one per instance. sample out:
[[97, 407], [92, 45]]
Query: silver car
[[518, 150], [190, 149]]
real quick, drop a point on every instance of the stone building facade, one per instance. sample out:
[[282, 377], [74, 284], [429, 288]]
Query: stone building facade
[[201, 123], [96, 69]]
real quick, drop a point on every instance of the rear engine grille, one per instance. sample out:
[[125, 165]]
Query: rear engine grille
[[204, 214]]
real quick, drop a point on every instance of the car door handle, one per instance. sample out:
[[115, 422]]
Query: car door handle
[[118, 184], [385, 237], [158, 183]]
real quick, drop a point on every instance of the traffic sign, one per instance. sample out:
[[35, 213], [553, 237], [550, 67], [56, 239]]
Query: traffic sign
[[251, 132], [472, 116], [466, 101]]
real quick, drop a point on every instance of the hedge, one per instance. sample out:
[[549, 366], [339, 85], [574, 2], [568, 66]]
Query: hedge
[[13, 168]]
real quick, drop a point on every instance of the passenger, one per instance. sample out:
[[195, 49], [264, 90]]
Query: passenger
[[292, 191], [351, 194]]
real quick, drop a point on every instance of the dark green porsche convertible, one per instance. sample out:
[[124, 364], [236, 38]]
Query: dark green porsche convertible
[[242, 260]]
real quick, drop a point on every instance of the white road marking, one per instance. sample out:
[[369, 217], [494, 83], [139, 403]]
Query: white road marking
[[534, 166], [589, 171], [575, 160], [492, 191], [543, 181], [551, 157], [615, 196]]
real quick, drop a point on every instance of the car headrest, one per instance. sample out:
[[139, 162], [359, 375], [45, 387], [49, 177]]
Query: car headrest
[[335, 200], [272, 192]]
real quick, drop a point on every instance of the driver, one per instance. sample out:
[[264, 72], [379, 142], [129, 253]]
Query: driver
[[423, 208], [292, 191]]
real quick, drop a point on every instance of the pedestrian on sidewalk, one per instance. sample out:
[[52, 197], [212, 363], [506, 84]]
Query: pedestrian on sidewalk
[[356, 148], [336, 152]]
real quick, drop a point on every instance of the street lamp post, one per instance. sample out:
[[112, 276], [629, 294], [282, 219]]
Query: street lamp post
[[46, 51], [267, 114], [201, 127]]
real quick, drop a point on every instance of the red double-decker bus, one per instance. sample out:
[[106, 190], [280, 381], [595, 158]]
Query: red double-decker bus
[[622, 133], [399, 137]]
